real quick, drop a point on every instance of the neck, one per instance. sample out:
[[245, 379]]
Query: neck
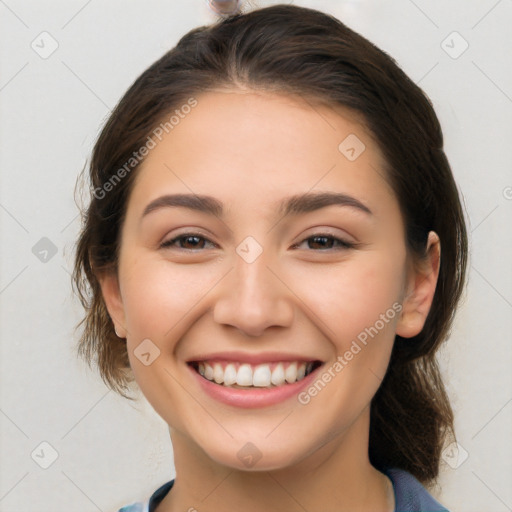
[[335, 477]]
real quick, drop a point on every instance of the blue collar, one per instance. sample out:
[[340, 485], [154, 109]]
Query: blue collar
[[409, 493]]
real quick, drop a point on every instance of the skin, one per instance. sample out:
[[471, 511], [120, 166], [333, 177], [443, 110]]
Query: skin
[[250, 150]]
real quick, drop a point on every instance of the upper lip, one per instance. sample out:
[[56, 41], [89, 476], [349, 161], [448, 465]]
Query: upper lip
[[244, 357]]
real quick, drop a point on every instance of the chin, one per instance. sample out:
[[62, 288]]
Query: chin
[[256, 455]]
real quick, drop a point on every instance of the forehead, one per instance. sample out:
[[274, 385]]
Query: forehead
[[255, 147]]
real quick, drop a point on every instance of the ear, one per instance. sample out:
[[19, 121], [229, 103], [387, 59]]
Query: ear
[[112, 296], [421, 286]]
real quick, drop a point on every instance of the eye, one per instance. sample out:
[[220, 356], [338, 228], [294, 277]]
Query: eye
[[187, 241], [195, 241], [327, 242]]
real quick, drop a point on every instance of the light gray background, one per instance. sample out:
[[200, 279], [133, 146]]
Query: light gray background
[[112, 452]]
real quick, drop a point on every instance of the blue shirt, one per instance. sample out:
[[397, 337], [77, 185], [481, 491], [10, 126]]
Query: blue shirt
[[410, 495]]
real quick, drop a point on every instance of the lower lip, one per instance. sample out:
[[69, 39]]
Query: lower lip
[[254, 397]]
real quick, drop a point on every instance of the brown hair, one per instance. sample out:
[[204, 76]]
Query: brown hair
[[302, 51]]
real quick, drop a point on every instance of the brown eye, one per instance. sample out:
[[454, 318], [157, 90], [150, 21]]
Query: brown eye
[[326, 242], [188, 241]]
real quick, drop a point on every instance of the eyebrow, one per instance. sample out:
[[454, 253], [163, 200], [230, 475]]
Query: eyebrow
[[293, 205]]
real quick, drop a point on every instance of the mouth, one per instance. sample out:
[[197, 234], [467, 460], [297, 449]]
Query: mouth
[[240, 375]]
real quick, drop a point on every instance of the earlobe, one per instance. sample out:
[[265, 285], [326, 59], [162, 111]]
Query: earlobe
[[112, 296], [421, 289]]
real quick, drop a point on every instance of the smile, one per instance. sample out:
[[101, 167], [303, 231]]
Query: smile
[[248, 376]]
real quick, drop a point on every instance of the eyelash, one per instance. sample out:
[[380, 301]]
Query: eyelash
[[344, 245]]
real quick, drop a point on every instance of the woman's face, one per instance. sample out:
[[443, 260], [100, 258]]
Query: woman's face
[[250, 283]]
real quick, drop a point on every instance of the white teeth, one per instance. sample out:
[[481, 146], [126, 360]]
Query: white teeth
[[218, 374], [278, 375], [208, 371], [290, 373], [230, 374], [244, 375], [260, 376], [301, 371]]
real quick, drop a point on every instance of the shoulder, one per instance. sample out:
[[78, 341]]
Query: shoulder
[[410, 495]]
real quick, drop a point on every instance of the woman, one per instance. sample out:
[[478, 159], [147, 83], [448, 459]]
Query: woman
[[274, 250]]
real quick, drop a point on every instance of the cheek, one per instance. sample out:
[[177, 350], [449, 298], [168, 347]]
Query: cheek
[[352, 298], [158, 296]]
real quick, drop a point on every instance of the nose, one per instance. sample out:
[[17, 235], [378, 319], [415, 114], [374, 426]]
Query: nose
[[253, 297]]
